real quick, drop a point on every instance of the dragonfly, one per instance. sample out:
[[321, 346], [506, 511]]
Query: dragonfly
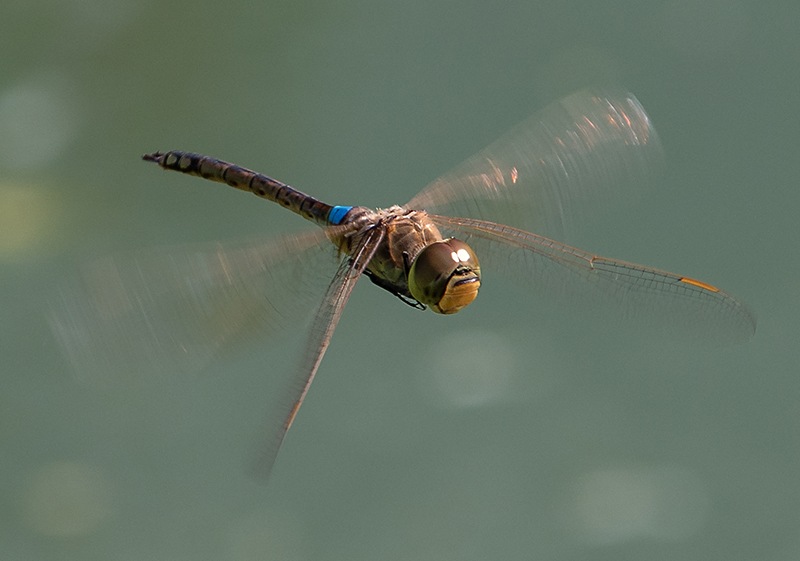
[[433, 253]]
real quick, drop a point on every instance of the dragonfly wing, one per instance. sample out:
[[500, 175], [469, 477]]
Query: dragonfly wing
[[673, 304], [319, 336], [593, 148], [172, 309]]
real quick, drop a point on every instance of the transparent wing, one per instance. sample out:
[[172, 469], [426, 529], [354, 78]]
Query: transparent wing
[[672, 304], [172, 309], [593, 148], [319, 337]]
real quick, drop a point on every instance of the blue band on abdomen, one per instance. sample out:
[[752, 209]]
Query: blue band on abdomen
[[337, 213]]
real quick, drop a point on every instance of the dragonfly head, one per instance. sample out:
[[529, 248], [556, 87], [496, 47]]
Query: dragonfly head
[[445, 275]]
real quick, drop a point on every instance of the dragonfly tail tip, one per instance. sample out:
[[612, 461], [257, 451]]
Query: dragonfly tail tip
[[153, 157]]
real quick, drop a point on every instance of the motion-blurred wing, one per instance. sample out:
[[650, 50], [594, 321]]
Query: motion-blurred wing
[[319, 337], [172, 309], [672, 304], [593, 148]]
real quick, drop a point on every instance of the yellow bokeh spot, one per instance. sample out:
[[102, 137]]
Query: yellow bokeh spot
[[67, 499], [26, 220]]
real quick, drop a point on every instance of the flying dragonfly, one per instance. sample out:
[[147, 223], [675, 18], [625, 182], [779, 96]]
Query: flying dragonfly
[[430, 253]]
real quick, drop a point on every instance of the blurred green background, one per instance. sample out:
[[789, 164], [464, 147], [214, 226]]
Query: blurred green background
[[554, 438]]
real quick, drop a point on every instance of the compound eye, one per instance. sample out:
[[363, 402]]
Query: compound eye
[[445, 276]]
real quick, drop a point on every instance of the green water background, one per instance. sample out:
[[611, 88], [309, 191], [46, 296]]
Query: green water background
[[550, 436]]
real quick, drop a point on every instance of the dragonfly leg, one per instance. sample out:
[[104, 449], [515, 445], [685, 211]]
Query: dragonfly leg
[[389, 287]]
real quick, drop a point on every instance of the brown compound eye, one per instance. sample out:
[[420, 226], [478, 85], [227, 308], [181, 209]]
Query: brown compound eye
[[445, 275]]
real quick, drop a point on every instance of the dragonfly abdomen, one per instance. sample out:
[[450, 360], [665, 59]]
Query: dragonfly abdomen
[[246, 180]]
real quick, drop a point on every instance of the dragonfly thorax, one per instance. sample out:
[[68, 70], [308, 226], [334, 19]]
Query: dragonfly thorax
[[445, 275], [413, 261]]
